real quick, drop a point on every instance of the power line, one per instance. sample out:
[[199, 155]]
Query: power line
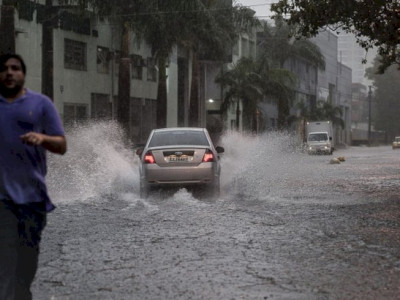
[[191, 11], [254, 5]]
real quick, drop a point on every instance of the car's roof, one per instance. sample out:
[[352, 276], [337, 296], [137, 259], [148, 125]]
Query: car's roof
[[179, 128]]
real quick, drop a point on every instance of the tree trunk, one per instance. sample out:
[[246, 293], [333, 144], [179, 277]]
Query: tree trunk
[[283, 113], [237, 115], [194, 93], [124, 83], [47, 53], [254, 123], [162, 94], [7, 29]]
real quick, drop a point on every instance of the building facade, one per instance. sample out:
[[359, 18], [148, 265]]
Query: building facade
[[334, 83], [76, 62]]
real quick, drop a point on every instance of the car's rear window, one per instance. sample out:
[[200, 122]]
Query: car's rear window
[[179, 137]]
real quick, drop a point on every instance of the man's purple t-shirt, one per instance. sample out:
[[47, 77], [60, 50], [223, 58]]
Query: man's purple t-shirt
[[23, 167]]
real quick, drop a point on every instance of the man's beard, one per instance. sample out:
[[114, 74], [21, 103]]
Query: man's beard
[[10, 92]]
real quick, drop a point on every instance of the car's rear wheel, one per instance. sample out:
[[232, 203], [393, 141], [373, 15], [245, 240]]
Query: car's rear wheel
[[214, 190], [144, 190]]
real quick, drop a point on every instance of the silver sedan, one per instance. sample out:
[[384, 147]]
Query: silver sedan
[[179, 157]]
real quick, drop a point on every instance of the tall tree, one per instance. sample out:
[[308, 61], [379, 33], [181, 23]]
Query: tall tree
[[243, 84], [159, 28], [197, 25], [209, 32], [124, 14], [251, 82], [276, 47], [374, 23]]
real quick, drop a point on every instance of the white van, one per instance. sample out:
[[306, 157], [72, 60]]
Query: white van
[[320, 138]]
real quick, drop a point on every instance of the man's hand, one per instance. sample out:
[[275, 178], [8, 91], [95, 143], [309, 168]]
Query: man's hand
[[55, 144], [33, 138]]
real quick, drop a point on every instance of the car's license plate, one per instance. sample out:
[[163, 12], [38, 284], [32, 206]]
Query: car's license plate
[[178, 158]]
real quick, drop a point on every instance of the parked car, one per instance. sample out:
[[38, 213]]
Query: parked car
[[179, 157], [396, 142]]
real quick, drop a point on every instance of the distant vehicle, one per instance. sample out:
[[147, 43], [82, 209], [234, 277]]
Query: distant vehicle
[[179, 157], [396, 143], [320, 139]]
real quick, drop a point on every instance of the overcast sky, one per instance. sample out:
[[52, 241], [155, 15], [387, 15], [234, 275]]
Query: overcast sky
[[261, 7]]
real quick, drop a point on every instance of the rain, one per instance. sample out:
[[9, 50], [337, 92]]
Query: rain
[[293, 220]]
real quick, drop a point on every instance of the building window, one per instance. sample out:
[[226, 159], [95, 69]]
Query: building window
[[74, 55], [103, 60], [137, 66], [235, 49], [244, 47], [252, 49], [74, 113], [101, 106], [151, 69]]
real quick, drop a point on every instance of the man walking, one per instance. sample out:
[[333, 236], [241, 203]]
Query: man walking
[[29, 125]]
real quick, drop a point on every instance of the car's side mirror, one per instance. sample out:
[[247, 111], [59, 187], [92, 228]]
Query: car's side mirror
[[139, 151], [219, 149]]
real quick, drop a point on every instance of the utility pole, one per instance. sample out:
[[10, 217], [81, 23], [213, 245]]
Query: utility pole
[[47, 52], [369, 115], [124, 82]]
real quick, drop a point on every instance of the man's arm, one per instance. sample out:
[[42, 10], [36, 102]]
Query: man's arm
[[56, 144]]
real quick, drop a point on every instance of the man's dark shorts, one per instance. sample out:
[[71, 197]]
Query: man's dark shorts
[[20, 232]]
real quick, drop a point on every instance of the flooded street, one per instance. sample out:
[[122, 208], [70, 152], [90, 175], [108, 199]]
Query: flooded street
[[287, 225]]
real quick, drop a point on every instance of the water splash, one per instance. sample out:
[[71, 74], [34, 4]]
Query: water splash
[[262, 166], [97, 163]]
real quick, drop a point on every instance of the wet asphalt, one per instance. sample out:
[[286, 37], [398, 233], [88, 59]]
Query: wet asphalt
[[287, 226]]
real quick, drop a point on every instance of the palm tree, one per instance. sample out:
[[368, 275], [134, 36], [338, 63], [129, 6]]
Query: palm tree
[[126, 15], [191, 24], [201, 26], [209, 32], [161, 30], [327, 111], [243, 83], [278, 48], [277, 83]]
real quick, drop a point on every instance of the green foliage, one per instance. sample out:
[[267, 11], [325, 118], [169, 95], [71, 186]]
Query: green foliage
[[275, 48], [243, 82], [266, 78], [277, 44], [323, 111], [374, 22], [206, 28]]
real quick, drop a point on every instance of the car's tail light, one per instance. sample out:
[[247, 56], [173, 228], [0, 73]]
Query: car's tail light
[[208, 156], [149, 158]]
